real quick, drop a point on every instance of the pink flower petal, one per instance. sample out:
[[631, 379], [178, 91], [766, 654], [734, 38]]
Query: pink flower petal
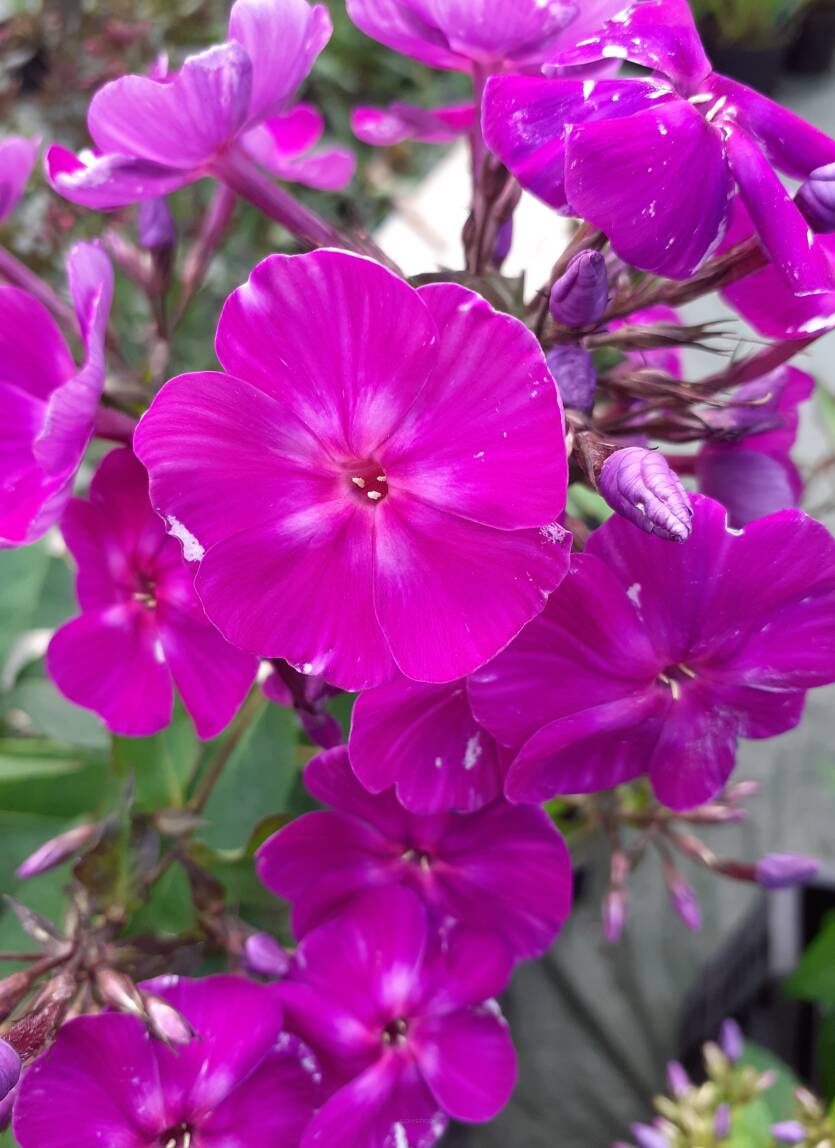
[[473, 595], [785, 234], [424, 740], [106, 182], [212, 677], [17, 158], [658, 34], [111, 661], [403, 27], [387, 1106], [384, 127], [282, 41], [526, 118], [468, 1061], [695, 752], [465, 446], [633, 178], [374, 350], [180, 123], [594, 749], [101, 1076]]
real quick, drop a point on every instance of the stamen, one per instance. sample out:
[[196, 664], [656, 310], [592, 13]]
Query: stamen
[[357, 481], [375, 495]]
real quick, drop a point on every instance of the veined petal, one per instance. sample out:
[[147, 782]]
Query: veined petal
[[696, 749], [489, 416], [526, 118], [633, 178], [472, 596], [181, 123], [658, 34], [111, 661], [282, 41], [405, 29], [374, 349], [106, 182], [785, 234]]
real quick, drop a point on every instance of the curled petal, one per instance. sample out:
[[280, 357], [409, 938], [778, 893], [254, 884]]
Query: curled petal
[[17, 158], [384, 127]]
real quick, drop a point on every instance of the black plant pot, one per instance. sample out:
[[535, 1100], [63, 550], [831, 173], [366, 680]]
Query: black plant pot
[[813, 51], [759, 68]]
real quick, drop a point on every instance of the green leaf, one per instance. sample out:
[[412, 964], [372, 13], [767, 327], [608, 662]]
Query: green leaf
[[826, 1054], [826, 403], [257, 780], [39, 776], [779, 1099], [751, 1126], [584, 503], [814, 977], [160, 764], [51, 714]]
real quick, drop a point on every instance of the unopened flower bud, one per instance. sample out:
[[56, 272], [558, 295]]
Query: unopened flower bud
[[155, 225], [614, 914], [640, 485], [785, 870], [119, 991], [649, 1137], [730, 1039], [788, 1132], [677, 1079], [580, 296], [684, 902], [504, 241], [816, 198], [722, 1122], [167, 1023], [7, 1109], [265, 957], [575, 376], [9, 1069], [58, 850]]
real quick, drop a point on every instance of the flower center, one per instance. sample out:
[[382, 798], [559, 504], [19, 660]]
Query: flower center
[[146, 591], [367, 480], [179, 1137], [675, 677], [419, 858], [396, 1032]]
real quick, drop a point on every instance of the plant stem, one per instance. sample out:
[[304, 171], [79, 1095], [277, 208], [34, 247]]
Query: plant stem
[[114, 425], [252, 708], [19, 275], [248, 181]]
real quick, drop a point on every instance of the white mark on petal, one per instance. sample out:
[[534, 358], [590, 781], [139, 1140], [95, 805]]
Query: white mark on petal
[[192, 550], [473, 751], [634, 594]]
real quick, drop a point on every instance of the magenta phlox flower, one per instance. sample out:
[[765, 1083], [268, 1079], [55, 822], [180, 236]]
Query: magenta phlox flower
[[403, 1020], [503, 869], [243, 1082], [142, 629], [154, 134], [423, 740], [384, 127], [654, 659], [357, 486], [287, 146], [483, 35], [753, 474], [17, 158], [764, 300], [622, 153], [49, 404]]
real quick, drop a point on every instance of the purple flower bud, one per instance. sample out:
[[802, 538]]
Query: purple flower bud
[[614, 914], [6, 1109], [640, 485], [9, 1069], [579, 298], [684, 902], [730, 1039], [155, 225], [788, 1132], [167, 1023], [649, 1137], [784, 870], [575, 376], [816, 198], [722, 1122], [677, 1079], [58, 850], [504, 241], [265, 957]]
